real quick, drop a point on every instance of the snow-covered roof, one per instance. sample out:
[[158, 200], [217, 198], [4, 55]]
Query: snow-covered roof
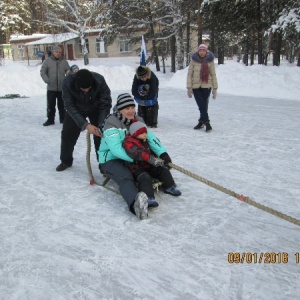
[[21, 37], [55, 39]]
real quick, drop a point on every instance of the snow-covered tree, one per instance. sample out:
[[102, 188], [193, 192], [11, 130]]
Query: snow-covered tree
[[74, 16], [288, 24], [13, 19]]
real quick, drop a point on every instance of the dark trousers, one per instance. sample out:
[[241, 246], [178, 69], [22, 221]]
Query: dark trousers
[[149, 114], [202, 98], [143, 178], [120, 173], [51, 103], [69, 136]]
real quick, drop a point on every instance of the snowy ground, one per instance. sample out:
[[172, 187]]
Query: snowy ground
[[64, 239]]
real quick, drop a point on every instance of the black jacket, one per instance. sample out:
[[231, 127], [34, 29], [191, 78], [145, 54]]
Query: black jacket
[[80, 104], [152, 82]]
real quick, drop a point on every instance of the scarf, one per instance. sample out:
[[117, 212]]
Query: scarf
[[124, 120], [204, 72]]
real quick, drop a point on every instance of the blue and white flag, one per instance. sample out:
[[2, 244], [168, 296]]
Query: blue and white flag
[[143, 53]]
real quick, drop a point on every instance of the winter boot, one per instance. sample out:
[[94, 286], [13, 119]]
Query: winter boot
[[208, 127], [48, 122], [199, 125], [172, 191], [140, 206], [62, 167], [152, 202]]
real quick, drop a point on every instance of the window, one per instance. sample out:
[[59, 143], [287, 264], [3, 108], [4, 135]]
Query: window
[[125, 46], [100, 46], [86, 44], [21, 51], [36, 49]]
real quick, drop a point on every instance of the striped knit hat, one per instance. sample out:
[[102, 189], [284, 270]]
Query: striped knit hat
[[137, 128], [124, 100]]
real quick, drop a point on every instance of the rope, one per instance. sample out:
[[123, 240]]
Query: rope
[[236, 195], [88, 158]]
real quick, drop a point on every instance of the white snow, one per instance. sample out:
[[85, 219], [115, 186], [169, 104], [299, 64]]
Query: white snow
[[64, 239]]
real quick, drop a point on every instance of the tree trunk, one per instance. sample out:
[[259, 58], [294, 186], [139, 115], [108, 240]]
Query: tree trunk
[[188, 36], [252, 53], [154, 48], [277, 41], [179, 48], [298, 62], [199, 22], [173, 53], [259, 36]]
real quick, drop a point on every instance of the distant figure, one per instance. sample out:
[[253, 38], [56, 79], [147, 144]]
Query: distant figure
[[43, 57], [145, 92], [53, 71], [201, 81], [74, 69]]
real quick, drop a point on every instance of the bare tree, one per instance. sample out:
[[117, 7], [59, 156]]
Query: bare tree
[[75, 17]]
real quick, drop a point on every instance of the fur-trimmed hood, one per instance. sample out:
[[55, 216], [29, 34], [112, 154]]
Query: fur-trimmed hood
[[147, 69], [209, 57]]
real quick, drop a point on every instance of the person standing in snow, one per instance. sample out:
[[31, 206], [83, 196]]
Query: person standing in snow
[[202, 81], [146, 164], [53, 72], [86, 95], [145, 91], [113, 157]]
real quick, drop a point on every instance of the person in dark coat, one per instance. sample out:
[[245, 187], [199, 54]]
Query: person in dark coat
[[53, 71], [146, 164], [86, 95], [145, 91]]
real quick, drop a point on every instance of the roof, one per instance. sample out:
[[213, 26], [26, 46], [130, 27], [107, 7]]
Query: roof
[[54, 39], [21, 37]]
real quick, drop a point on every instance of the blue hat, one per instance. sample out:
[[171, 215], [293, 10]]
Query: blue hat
[[74, 67]]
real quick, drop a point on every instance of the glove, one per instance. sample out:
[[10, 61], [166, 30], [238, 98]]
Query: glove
[[166, 158], [156, 162], [190, 93], [214, 93]]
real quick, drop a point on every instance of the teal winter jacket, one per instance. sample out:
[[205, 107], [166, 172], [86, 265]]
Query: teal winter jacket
[[114, 132]]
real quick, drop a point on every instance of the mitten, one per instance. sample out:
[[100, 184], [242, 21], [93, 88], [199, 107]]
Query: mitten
[[166, 158], [190, 93], [155, 161], [214, 93]]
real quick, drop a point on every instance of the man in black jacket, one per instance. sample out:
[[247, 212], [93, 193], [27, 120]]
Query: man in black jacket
[[85, 95]]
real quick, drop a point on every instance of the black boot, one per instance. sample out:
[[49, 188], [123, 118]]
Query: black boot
[[208, 127], [199, 125], [48, 122]]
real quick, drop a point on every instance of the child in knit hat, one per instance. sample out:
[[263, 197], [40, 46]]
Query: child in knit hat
[[146, 165], [74, 69]]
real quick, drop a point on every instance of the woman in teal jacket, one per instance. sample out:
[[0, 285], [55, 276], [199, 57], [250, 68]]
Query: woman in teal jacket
[[112, 154]]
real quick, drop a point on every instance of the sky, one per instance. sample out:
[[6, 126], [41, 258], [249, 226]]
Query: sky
[[62, 238]]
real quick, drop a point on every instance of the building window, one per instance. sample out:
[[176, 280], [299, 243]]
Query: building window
[[125, 45], [86, 44], [36, 49], [21, 51], [100, 46]]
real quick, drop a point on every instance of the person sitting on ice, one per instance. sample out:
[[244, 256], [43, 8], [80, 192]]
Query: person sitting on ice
[[112, 155], [146, 164]]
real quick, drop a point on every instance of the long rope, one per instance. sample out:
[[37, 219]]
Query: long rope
[[199, 178], [236, 195]]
